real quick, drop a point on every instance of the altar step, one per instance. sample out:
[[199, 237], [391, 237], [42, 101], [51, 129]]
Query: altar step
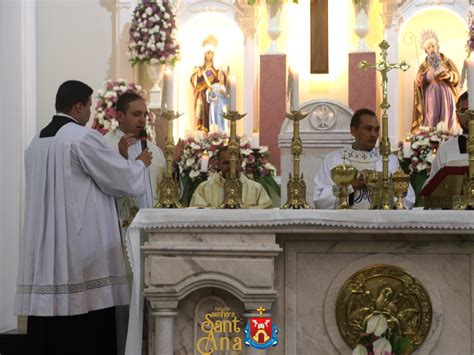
[[14, 342]]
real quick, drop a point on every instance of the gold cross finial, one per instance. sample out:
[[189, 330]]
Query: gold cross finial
[[261, 310]]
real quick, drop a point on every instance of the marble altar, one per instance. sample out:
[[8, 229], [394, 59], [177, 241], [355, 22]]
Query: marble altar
[[293, 263]]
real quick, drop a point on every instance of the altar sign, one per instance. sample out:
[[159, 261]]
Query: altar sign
[[294, 264]]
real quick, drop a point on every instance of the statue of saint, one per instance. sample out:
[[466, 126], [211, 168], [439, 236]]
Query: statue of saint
[[203, 78], [218, 103], [435, 87]]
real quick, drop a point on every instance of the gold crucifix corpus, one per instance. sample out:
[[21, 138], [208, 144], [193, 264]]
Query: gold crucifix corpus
[[384, 67]]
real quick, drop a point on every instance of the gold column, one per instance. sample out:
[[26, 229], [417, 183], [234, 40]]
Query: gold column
[[296, 187], [233, 185], [169, 195]]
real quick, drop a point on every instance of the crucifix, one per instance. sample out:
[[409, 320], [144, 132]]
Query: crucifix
[[319, 37], [384, 67]]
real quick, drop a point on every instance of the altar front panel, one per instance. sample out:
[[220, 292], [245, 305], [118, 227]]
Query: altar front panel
[[295, 263]]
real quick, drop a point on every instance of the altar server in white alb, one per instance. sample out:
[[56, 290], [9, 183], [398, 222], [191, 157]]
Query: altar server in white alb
[[132, 115], [71, 272], [454, 150], [363, 155]]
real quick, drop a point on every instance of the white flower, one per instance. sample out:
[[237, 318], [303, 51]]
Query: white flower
[[246, 151], [263, 149], [195, 146], [148, 11], [244, 140], [382, 346], [100, 92], [166, 15], [190, 161], [377, 325], [360, 350], [414, 145], [269, 166], [194, 173], [154, 61], [421, 166], [109, 104]]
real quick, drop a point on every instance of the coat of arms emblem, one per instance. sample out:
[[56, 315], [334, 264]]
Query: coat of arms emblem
[[261, 333]]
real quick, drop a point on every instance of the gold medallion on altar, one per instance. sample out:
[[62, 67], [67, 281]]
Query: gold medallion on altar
[[389, 291]]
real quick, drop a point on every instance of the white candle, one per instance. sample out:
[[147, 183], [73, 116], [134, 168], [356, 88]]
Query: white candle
[[295, 92], [204, 162], [406, 149], [255, 140], [233, 94], [167, 95], [470, 80]]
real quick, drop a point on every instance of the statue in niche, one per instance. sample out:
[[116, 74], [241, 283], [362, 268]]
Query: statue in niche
[[217, 97], [436, 87], [203, 78]]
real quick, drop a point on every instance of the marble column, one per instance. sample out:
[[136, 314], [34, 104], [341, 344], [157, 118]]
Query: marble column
[[362, 84], [164, 331], [272, 103]]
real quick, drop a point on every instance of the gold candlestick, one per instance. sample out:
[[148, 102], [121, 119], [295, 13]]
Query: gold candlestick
[[384, 67], [343, 175], [468, 184], [233, 185], [169, 195], [296, 187]]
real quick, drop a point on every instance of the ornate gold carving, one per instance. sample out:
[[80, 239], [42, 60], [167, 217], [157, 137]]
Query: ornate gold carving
[[386, 290]]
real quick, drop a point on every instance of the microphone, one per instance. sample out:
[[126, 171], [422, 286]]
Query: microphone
[[143, 138]]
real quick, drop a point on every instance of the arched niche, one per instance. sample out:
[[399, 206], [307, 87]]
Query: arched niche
[[234, 24], [397, 16]]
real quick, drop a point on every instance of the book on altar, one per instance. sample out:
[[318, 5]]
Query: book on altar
[[445, 189]]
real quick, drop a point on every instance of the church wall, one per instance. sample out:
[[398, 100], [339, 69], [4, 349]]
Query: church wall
[[18, 119], [74, 42]]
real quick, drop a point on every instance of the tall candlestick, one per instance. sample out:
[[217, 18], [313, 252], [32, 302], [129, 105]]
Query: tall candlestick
[[204, 162], [233, 94], [295, 92], [167, 95], [470, 80]]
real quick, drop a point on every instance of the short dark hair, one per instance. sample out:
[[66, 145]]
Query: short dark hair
[[70, 93], [355, 120], [125, 99], [463, 97]]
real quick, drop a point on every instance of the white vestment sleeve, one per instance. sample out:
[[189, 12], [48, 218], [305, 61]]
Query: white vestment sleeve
[[323, 195], [113, 174]]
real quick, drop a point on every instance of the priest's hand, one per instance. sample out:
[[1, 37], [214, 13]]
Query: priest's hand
[[359, 183], [125, 142], [145, 157]]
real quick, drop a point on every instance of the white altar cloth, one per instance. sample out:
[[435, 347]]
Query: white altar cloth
[[277, 221]]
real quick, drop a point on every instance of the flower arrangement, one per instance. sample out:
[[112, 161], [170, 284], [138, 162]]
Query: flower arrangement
[[423, 146], [255, 162], [105, 108], [470, 41], [380, 340], [153, 33]]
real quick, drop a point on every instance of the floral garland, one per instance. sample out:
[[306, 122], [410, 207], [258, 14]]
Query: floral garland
[[423, 147], [105, 108], [153, 33], [255, 162]]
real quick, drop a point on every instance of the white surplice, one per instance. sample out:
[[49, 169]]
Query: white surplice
[[323, 195], [448, 153], [154, 173], [71, 259]]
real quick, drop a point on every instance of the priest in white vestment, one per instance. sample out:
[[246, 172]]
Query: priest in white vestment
[[210, 193], [454, 150], [132, 115], [363, 155], [71, 268]]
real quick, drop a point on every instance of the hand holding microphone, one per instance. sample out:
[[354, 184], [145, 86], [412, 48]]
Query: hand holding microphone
[[145, 156]]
